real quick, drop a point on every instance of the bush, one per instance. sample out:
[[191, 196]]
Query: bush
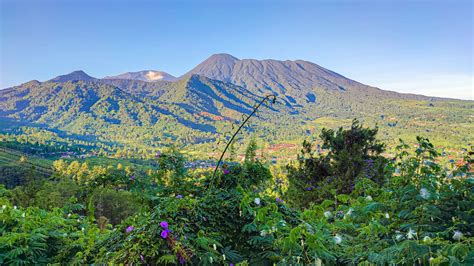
[[421, 214], [35, 236], [350, 154]]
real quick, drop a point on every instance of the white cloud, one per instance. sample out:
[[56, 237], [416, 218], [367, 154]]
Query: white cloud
[[152, 75]]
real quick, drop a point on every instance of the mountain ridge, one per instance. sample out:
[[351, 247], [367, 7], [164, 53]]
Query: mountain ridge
[[75, 75], [294, 79], [298, 79], [144, 75], [198, 107]]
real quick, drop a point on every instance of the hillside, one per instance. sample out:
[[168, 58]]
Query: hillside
[[203, 105]]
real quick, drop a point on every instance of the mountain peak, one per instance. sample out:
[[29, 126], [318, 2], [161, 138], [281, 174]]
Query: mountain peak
[[79, 72], [225, 60], [223, 57], [293, 78], [219, 66], [75, 75], [145, 75]]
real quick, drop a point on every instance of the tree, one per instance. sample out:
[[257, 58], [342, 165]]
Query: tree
[[232, 152], [350, 154], [251, 151]]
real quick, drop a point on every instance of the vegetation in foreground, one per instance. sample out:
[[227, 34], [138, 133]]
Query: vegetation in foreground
[[340, 203]]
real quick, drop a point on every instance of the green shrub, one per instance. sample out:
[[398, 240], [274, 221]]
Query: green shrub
[[350, 154]]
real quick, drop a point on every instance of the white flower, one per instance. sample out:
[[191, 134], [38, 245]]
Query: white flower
[[348, 213], [387, 215], [14, 207], [302, 242], [210, 259], [457, 235], [257, 201], [274, 229], [318, 262], [68, 215], [23, 215], [309, 228], [82, 229], [263, 232], [337, 239], [4, 207], [240, 213], [78, 220], [328, 214], [223, 256], [399, 237], [281, 223], [214, 246], [368, 198], [424, 193], [426, 239], [411, 233]]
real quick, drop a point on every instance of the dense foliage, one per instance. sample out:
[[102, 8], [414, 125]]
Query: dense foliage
[[350, 155], [362, 208]]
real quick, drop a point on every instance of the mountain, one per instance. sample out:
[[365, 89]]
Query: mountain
[[146, 75], [75, 75], [209, 100], [298, 81], [218, 66], [109, 108]]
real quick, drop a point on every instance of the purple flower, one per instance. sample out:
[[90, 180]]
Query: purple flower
[[226, 171], [129, 229], [164, 234], [181, 259], [179, 196], [279, 200], [164, 224], [132, 178], [158, 154], [142, 258], [231, 264]]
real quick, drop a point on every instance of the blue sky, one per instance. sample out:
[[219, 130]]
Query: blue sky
[[410, 46]]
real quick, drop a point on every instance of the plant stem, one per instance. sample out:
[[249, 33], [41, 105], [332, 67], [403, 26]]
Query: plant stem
[[238, 130]]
